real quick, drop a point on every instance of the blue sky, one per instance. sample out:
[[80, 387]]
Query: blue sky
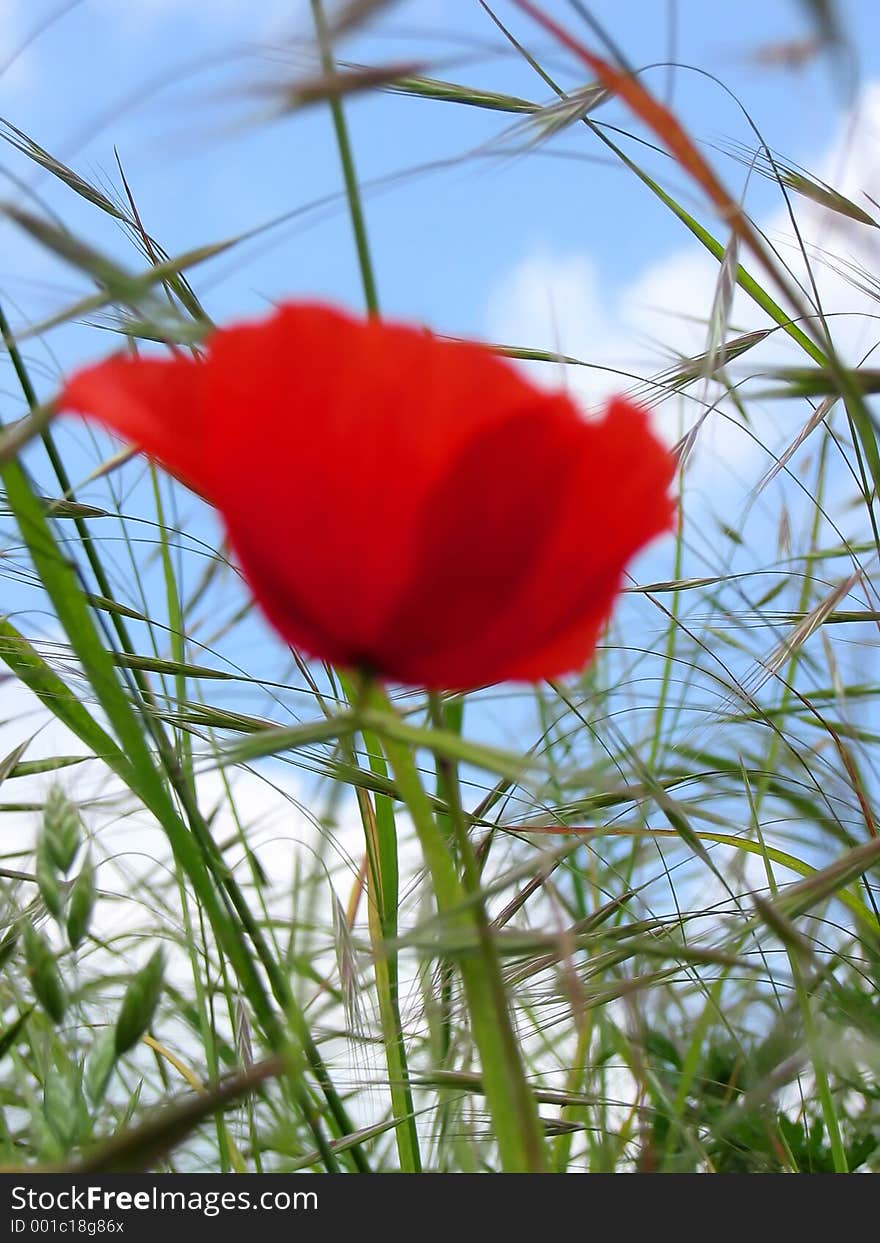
[[202, 169]]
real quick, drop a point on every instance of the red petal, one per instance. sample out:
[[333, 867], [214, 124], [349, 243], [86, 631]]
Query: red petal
[[154, 403], [617, 500], [570, 648], [479, 535], [276, 593], [332, 433], [609, 498]]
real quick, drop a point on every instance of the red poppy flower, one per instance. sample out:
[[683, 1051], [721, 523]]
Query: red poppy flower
[[398, 502]]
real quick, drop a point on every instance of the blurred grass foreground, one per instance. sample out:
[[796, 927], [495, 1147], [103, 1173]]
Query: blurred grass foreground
[[261, 916]]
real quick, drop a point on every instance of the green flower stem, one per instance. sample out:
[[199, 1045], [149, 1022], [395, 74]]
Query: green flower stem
[[382, 903], [511, 1102], [385, 966]]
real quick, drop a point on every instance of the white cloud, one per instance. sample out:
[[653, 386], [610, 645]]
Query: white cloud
[[553, 298]]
